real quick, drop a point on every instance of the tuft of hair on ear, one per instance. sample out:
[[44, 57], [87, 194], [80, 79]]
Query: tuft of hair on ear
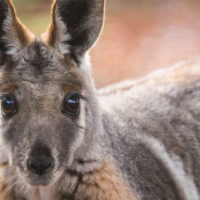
[[13, 34], [75, 26]]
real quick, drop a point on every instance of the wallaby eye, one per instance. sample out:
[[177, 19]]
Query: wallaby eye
[[8, 105], [71, 104]]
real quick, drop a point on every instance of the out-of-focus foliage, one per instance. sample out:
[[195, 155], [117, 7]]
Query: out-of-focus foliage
[[34, 13]]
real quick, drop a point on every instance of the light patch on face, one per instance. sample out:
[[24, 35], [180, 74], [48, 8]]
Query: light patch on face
[[62, 36], [3, 150], [175, 166], [85, 65]]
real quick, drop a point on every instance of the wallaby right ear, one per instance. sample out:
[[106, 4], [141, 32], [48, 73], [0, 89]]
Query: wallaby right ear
[[13, 34], [75, 25]]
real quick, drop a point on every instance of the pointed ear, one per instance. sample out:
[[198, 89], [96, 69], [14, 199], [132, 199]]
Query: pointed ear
[[13, 34], [76, 25]]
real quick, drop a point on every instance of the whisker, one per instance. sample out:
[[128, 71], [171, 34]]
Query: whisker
[[6, 179], [11, 187], [26, 191]]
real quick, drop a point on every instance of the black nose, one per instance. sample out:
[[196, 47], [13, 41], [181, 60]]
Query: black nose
[[40, 164], [40, 161]]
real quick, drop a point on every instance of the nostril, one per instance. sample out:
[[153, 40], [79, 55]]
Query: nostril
[[40, 164]]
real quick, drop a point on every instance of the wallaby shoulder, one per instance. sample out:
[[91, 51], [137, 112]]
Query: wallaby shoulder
[[153, 125]]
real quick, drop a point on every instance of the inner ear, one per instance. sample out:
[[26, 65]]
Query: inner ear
[[75, 26], [13, 34]]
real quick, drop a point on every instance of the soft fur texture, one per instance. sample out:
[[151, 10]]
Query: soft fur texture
[[154, 133], [134, 140]]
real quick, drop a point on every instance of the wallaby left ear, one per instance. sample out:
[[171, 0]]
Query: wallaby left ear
[[76, 25], [13, 34]]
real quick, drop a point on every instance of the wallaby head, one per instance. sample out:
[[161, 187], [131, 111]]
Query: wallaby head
[[49, 116]]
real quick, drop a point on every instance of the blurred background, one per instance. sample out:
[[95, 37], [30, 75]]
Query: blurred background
[[139, 35]]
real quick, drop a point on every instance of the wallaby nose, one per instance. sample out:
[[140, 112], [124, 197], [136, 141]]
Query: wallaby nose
[[40, 164], [40, 161]]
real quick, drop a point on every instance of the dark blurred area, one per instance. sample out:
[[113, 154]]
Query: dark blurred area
[[139, 36]]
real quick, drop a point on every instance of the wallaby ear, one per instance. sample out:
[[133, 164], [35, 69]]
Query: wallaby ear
[[75, 26], [13, 34]]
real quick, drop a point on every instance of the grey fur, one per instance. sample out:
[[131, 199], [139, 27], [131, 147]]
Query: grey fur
[[149, 129], [168, 112]]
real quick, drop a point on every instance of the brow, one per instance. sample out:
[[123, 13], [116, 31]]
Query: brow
[[10, 84]]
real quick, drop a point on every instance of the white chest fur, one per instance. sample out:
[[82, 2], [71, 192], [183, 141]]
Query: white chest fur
[[41, 194]]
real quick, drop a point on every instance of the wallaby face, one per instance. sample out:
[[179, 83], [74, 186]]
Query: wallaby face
[[43, 113], [47, 109]]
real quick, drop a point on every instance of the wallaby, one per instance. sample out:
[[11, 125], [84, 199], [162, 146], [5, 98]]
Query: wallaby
[[61, 139]]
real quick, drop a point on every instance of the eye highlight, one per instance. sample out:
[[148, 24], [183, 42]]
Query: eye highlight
[[71, 104], [8, 105]]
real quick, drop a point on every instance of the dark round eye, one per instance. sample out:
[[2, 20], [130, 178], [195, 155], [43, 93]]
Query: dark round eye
[[71, 104], [8, 105]]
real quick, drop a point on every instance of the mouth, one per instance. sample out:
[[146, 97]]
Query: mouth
[[39, 181], [36, 180]]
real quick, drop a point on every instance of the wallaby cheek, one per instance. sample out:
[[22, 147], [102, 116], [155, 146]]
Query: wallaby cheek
[[66, 143], [17, 141]]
